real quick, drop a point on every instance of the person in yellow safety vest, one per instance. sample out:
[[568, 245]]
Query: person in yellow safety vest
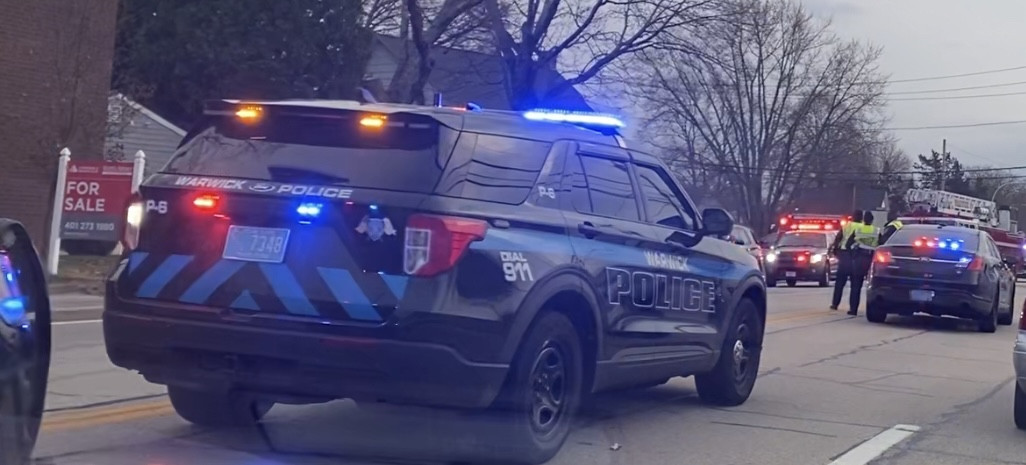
[[892, 227], [863, 244], [845, 260]]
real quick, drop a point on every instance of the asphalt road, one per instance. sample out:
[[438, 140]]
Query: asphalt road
[[833, 389]]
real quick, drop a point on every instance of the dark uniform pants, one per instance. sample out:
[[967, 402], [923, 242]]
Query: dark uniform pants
[[861, 261], [844, 272]]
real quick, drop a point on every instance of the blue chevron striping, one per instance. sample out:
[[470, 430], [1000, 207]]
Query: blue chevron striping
[[135, 259], [397, 284], [164, 273], [288, 290], [348, 293], [209, 281], [245, 301]]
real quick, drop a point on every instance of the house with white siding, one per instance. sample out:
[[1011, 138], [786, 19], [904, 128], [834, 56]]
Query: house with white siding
[[132, 127]]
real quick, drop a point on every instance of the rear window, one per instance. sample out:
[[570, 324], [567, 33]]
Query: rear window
[[404, 155], [803, 240], [908, 236]]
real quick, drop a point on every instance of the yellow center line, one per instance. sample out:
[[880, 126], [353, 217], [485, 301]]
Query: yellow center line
[[104, 415]]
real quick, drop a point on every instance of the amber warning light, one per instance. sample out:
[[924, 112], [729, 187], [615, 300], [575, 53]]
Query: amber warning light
[[249, 113], [372, 121]]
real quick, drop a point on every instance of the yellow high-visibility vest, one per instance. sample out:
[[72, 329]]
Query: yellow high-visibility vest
[[865, 234], [847, 232]]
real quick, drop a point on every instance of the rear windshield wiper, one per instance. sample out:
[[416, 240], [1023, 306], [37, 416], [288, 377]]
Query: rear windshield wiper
[[294, 174]]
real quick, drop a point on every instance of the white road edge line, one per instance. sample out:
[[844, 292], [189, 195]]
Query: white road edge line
[[79, 322], [876, 445]]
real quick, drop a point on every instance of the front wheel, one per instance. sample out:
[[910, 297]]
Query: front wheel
[[732, 379], [542, 392], [792, 282], [771, 282], [216, 408], [1005, 319], [824, 280]]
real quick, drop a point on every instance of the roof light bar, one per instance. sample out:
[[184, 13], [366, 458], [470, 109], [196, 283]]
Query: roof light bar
[[574, 117]]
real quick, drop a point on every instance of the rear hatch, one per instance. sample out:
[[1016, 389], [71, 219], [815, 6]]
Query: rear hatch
[[288, 210]]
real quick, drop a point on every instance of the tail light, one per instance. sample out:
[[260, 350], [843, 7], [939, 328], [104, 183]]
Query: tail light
[[206, 202], [882, 257], [434, 244], [133, 220], [976, 264]]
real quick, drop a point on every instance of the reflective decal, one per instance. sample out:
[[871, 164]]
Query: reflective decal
[[642, 289], [515, 267]]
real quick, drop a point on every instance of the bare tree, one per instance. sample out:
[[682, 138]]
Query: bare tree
[[579, 37], [773, 96], [427, 26]]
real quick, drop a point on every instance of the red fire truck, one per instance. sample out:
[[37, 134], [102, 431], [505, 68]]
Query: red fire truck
[[931, 206]]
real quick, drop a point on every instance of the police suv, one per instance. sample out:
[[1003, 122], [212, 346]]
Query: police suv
[[303, 251]]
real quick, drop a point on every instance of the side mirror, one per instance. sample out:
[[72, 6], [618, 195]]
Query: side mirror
[[716, 222]]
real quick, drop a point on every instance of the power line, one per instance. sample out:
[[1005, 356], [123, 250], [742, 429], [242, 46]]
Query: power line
[[857, 173], [955, 97], [956, 126], [957, 89], [953, 76]]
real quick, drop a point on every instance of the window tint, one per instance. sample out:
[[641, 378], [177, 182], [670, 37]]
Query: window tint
[[316, 150], [661, 202], [609, 186], [576, 186], [502, 169]]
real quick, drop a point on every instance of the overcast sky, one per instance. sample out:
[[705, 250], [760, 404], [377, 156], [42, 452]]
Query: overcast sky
[[923, 38]]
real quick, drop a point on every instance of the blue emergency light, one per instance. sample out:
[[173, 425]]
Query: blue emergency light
[[309, 210], [575, 117], [12, 309]]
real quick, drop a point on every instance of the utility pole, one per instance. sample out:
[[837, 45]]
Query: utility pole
[[944, 164]]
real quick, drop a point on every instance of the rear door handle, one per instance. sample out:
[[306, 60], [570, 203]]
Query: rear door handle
[[588, 230]]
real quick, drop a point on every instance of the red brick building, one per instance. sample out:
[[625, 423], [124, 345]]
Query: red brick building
[[55, 68]]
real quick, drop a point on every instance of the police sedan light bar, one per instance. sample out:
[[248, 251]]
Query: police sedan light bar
[[574, 117]]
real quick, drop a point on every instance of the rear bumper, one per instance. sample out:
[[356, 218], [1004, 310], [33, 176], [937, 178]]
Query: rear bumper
[[953, 300], [210, 348], [289, 365]]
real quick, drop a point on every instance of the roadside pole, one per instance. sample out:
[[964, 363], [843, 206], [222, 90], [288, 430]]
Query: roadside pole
[[53, 251], [138, 165]]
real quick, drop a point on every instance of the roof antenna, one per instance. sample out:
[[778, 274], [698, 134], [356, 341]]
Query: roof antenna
[[438, 99]]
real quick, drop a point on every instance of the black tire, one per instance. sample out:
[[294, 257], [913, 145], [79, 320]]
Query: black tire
[[732, 379], [1006, 319], [988, 324], [792, 282], [542, 392], [216, 408], [1019, 407], [876, 313], [771, 282], [824, 280]]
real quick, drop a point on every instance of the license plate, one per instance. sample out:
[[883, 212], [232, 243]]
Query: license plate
[[790, 274], [254, 244], [919, 295]]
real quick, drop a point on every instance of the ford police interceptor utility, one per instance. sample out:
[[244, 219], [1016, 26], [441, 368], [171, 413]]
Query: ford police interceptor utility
[[303, 251]]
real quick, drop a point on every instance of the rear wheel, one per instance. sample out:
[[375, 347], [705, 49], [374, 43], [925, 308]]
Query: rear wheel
[[732, 379], [1020, 407], [824, 280], [792, 282], [988, 324], [770, 282], [876, 313], [216, 408], [542, 392]]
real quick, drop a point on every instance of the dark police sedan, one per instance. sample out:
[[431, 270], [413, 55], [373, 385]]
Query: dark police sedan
[[941, 270]]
